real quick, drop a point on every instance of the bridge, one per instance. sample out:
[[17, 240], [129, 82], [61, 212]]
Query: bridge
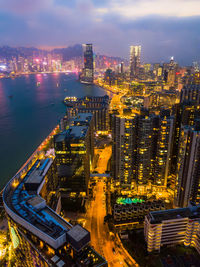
[[99, 175]]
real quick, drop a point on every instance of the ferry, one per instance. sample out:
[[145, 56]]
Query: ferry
[[86, 82], [68, 100]]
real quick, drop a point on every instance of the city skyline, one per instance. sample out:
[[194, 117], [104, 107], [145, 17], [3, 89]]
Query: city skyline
[[160, 28], [100, 133]]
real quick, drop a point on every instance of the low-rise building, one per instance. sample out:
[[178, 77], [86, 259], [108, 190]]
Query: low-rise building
[[129, 214], [41, 237], [172, 227]]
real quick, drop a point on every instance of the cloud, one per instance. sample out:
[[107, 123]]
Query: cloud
[[129, 9], [132, 9], [19, 7], [163, 28]]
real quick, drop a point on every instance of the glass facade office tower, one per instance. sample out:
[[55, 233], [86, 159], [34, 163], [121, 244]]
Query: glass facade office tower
[[135, 53], [72, 149], [88, 70]]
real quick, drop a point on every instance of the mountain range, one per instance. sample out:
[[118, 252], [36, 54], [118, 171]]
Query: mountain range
[[67, 53]]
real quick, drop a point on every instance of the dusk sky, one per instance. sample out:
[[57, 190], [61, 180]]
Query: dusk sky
[[164, 28]]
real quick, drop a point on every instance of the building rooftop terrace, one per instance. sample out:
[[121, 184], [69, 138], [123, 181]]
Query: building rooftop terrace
[[172, 214]]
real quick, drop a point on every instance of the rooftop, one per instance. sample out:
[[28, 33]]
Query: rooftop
[[77, 131], [91, 100], [77, 233], [60, 137], [78, 237], [35, 201], [172, 214], [74, 132], [82, 118], [31, 209], [30, 212], [37, 174]]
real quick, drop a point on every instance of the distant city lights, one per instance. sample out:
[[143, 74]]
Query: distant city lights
[[3, 67]]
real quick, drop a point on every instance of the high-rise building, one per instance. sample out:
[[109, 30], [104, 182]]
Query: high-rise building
[[86, 119], [188, 173], [190, 94], [184, 114], [172, 227], [164, 148], [97, 105], [171, 77], [122, 67], [145, 147], [88, 70], [72, 149], [135, 54], [157, 70], [109, 77], [123, 130], [141, 148]]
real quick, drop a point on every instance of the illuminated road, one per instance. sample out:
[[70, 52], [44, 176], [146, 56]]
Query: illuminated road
[[5, 249], [104, 156], [101, 239]]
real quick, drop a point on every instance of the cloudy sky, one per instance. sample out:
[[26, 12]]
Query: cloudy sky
[[164, 28]]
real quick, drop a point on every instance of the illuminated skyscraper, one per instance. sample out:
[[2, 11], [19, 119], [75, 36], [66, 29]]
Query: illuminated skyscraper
[[145, 144], [141, 148], [88, 70], [123, 130], [164, 148], [135, 53], [188, 178], [72, 149], [190, 94]]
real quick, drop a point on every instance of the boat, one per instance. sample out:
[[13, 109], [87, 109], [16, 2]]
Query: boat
[[10, 96], [68, 100], [65, 90], [86, 82]]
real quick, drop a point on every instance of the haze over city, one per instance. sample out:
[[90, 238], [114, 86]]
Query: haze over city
[[163, 28]]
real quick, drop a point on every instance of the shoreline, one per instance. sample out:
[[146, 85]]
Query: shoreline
[[39, 148], [106, 89], [35, 73], [33, 151]]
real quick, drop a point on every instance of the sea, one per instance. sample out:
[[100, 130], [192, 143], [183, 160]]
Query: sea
[[30, 107]]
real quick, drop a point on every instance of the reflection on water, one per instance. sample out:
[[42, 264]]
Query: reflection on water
[[28, 116]]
